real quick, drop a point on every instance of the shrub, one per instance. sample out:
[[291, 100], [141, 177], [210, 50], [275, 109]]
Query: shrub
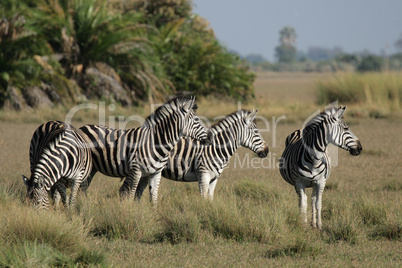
[[370, 63]]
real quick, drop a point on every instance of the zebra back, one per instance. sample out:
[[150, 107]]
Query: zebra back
[[117, 152], [41, 138], [235, 130]]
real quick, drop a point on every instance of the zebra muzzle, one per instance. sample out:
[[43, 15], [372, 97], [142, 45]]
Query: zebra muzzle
[[264, 152], [357, 150]]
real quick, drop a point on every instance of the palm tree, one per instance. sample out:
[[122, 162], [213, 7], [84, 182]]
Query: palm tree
[[84, 32], [17, 65]]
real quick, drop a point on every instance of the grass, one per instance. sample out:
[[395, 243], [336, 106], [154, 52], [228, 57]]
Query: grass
[[378, 95], [253, 220]]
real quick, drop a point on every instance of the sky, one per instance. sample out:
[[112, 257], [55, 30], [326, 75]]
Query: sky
[[252, 26]]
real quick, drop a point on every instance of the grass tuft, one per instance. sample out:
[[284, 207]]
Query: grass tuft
[[61, 231], [393, 185], [341, 223], [370, 212], [391, 230], [299, 248], [332, 186], [258, 191], [32, 254], [113, 219]]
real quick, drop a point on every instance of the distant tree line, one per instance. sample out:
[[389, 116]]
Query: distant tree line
[[319, 59], [69, 51]]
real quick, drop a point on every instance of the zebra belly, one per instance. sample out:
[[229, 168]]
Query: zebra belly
[[189, 177], [152, 168]]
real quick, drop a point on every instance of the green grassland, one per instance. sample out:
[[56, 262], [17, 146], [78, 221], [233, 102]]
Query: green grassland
[[253, 220]]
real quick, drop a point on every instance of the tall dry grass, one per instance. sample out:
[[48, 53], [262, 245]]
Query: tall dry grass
[[376, 94]]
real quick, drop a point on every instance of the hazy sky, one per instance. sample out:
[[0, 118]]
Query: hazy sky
[[252, 26]]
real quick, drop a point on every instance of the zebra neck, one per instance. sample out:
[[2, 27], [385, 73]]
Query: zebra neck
[[315, 141], [165, 137], [225, 142]]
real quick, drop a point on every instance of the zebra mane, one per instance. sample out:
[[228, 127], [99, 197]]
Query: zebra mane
[[57, 128], [319, 119], [235, 115], [168, 108]]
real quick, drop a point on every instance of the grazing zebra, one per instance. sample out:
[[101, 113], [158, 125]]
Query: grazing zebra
[[58, 156], [190, 162], [305, 161], [143, 152]]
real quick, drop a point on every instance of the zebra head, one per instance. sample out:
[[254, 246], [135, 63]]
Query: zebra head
[[340, 135], [192, 126], [251, 137], [36, 192]]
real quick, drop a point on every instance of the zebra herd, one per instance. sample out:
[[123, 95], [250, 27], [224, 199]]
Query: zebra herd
[[174, 143]]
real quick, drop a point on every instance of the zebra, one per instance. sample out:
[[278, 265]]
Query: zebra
[[190, 162], [305, 161], [143, 152], [58, 157]]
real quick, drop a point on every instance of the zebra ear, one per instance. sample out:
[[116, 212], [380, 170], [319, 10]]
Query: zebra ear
[[187, 106], [340, 112], [251, 116], [25, 180]]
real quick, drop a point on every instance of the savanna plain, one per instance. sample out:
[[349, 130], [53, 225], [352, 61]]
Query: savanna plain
[[253, 219]]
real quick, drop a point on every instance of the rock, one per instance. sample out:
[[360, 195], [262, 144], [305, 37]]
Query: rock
[[103, 86], [15, 99], [51, 92], [35, 97]]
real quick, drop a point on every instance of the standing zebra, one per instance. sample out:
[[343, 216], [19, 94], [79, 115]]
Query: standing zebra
[[58, 155], [305, 161], [191, 162], [143, 152]]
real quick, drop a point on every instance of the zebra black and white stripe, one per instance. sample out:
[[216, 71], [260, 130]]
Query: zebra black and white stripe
[[189, 161], [306, 162], [143, 152], [58, 157]]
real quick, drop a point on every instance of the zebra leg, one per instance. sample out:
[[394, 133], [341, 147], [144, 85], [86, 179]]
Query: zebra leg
[[85, 184], [58, 192], [314, 206], [320, 190], [74, 191], [203, 183], [211, 188], [56, 197], [154, 182], [301, 192], [141, 187], [130, 183]]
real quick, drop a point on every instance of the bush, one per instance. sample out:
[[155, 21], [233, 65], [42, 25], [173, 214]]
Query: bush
[[370, 63], [152, 49]]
